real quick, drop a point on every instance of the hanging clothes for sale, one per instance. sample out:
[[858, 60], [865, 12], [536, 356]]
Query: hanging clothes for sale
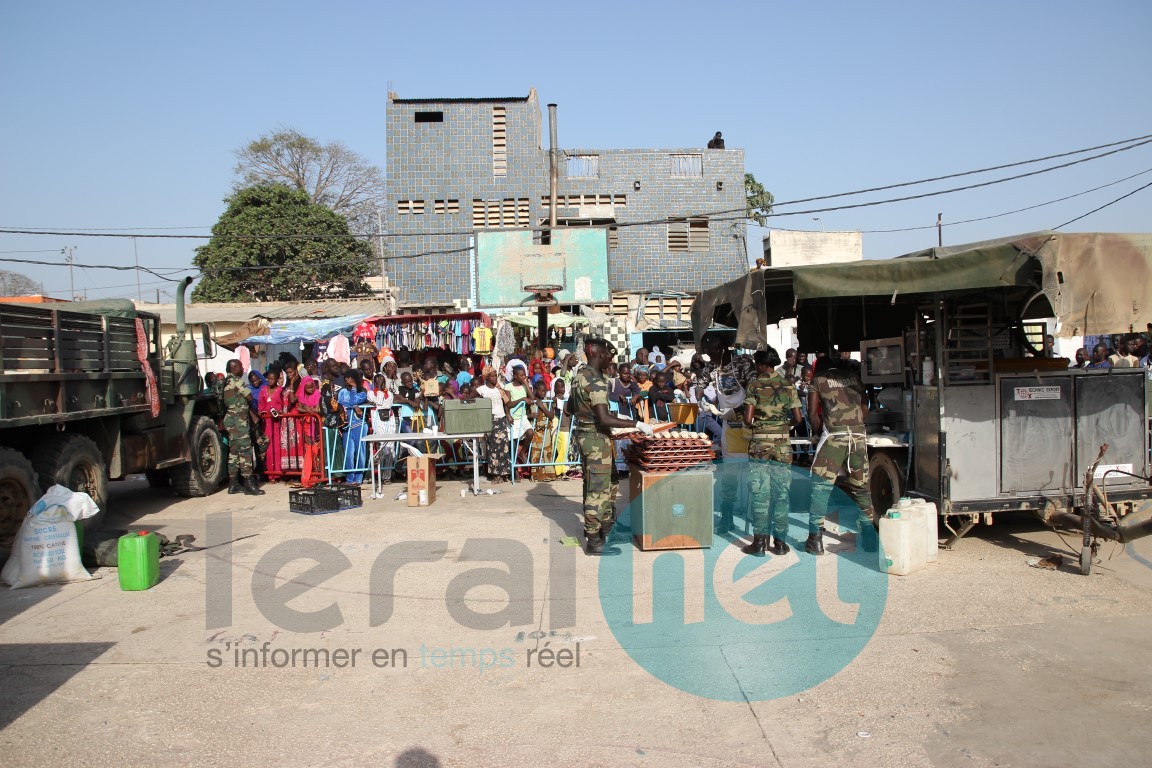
[[339, 349], [453, 333], [505, 338]]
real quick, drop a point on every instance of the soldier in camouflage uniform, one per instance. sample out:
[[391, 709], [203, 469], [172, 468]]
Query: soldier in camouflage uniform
[[836, 404], [589, 404], [771, 408], [235, 397]]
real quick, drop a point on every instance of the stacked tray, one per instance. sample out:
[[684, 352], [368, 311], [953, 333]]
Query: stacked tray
[[670, 451]]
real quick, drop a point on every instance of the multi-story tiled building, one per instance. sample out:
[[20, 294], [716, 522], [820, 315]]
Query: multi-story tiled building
[[459, 166]]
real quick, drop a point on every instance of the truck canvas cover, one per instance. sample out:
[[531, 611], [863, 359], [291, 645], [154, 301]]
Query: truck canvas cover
[[1095, 283]]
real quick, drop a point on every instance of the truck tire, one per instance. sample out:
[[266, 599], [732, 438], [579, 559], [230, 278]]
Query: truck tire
[[75, 462], [158, 478], [884, 483], [19, 490], [208, 467]]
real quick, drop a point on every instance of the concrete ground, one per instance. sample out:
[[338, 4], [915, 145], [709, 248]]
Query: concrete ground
[[980, 660]]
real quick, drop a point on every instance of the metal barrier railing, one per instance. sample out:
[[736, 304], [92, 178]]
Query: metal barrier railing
[[550, 448], [294, 447]]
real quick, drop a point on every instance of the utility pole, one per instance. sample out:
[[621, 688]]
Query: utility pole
[[939, 230], [380, 246], [139, 293], [553, 180], [67, 251]]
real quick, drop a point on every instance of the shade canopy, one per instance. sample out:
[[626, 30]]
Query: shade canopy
[[558, 320]]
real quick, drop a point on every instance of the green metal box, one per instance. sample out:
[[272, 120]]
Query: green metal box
[[671, 510], [461, 418]]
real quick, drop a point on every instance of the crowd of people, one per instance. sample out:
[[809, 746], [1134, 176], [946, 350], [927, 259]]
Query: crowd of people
[[1121, 351], [290, 406]]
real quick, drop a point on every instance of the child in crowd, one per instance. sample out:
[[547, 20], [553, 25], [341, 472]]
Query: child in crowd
[[644, 384], [542, 416], [661, 395]]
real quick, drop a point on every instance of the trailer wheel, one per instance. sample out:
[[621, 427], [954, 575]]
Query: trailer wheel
[[19, 490], [208, 467], [884, 483], [158, 478], [75, 462]]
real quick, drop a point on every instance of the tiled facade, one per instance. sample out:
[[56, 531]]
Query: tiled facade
[[452, 160]]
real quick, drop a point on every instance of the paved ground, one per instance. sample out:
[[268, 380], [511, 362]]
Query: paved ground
[[978, 661]]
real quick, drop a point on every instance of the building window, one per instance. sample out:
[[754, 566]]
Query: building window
[[499, 141], [613, 235], [446, 206], [688, 235], [577, 201], [498, 214], [415, 207], [583, 167], [429, 117], [686, 166]]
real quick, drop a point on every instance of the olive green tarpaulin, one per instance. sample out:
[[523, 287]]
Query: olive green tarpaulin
[[1095, 282]]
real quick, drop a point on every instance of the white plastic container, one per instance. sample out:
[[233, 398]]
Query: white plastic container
[[902, 538], [931, 530], [931, 522]]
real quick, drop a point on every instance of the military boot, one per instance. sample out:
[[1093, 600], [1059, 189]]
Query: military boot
[[606, 540], [235, 486], [595, 544], [251, 488], [815, 543], [759, 542], [779, 547], [867, 539], [724, 524]]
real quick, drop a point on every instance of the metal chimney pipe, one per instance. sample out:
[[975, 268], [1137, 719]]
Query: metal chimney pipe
[[554, 166]]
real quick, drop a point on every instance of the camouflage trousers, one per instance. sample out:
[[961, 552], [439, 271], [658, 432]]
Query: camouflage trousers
[[239, 446], [770, 481], [838, 456], [601, 480]]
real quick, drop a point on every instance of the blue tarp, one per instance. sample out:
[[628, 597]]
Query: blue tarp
[[289, 331]]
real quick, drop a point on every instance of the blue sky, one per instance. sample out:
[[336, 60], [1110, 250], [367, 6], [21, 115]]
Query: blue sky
[[126, 114]]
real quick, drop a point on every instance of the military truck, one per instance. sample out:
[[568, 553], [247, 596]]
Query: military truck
[[87, 395], [965, 409]]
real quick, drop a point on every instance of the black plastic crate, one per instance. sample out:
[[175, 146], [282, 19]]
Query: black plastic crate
[[349, 496], [315, 501]]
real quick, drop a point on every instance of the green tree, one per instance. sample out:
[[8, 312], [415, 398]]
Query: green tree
[[760, 200], [273, 244]]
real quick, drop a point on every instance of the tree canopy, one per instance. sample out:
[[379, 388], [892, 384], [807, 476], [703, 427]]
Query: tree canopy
[[760, 200], [16, 284], [331, 174], [273, 244]]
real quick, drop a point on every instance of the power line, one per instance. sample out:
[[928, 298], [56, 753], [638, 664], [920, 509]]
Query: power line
[[1113, 202], [163, 276], [957, 189], [1009, 213], [972, 173], [649, 222]]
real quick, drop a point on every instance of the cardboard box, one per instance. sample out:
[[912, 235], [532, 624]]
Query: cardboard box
[[422, 479]]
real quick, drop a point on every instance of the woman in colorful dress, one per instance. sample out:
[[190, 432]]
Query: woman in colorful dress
[[542, 415], [352, 399]]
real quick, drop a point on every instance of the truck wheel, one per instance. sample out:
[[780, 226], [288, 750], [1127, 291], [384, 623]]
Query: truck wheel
[[19, 490], [75, 462], [884, 483], [208, 467], [158, 478]]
